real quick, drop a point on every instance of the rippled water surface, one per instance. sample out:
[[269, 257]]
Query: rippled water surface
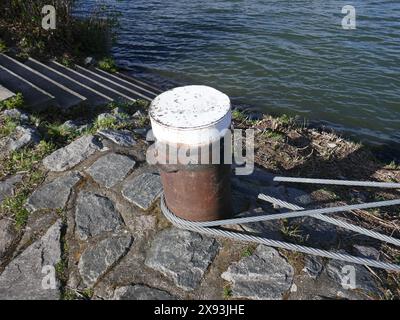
[[279, 56]]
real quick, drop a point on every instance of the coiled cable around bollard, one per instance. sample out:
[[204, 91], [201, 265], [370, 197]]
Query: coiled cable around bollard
[[214, 228]]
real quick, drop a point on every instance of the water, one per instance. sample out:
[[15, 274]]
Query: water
[[280, 56]]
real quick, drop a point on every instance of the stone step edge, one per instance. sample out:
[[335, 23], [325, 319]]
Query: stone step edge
[[132, 79], [46, 78], [125, 81], [51, 97], [94, 81], [71, 79], [114, 83]]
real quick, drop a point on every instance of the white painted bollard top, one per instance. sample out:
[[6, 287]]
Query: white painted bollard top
[[192, 115]]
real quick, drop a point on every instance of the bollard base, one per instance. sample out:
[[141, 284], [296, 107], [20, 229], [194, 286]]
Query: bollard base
[[202, 194]]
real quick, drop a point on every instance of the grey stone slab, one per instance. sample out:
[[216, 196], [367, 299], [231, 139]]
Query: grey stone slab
[[299, 197], [123, 138], [367, 252], [316, 232], [182, 256], [111, 169], [16, 114], [313, 266], [8, 236], [142, 224], [78, 126], [28, 276], [99, 258], [141, 131], [23, 136], [262, 276], [94, 215], [7, 186], [53, 195], [73, 154], [141, 292], [342, 274], [5, 93], [143, 190], [37, 224]]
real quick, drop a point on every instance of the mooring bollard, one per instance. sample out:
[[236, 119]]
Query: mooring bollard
[[189, 124]]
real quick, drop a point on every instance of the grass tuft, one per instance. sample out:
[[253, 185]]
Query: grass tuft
[[273, 135], [7, 126], [108, 65], [238, 115], [3, 46], [109, 122], [227, 292], [247, 252], [15, 102]]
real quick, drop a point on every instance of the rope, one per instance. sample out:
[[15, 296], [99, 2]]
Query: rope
[[197, 227], [339, 182], [336, 222], [213, 228]]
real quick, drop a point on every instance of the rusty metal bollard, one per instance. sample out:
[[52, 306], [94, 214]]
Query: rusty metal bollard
[[189, 124]]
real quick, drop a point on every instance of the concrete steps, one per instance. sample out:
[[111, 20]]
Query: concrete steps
[[90, 82], [65, 97], [140, 83], [93, 97], [34, 97], [5, 93], [109, 83], [144, 89], [51, 84]]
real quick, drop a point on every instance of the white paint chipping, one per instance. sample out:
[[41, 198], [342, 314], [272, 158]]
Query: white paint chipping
[[191, 115]]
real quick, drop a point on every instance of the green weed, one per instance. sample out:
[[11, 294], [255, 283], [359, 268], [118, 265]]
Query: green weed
[[108, 65], [15, 102]]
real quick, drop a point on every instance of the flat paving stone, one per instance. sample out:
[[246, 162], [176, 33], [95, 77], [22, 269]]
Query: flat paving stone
[[352, 276], [99, 258], [94, 215], [68, 157], [313, 266], [27, 276], [299, 197], [37, 224], [23, 136], [143, 190], [182, 256], [16, 114], [8, 236], [111, 169], [123, 138], [7, 186], [366, 252], [316, 232], [141, 292], [264, 275], [78, 126], [142, 224], [53, 195]]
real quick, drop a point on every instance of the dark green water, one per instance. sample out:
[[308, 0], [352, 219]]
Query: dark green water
[[280, 56]]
